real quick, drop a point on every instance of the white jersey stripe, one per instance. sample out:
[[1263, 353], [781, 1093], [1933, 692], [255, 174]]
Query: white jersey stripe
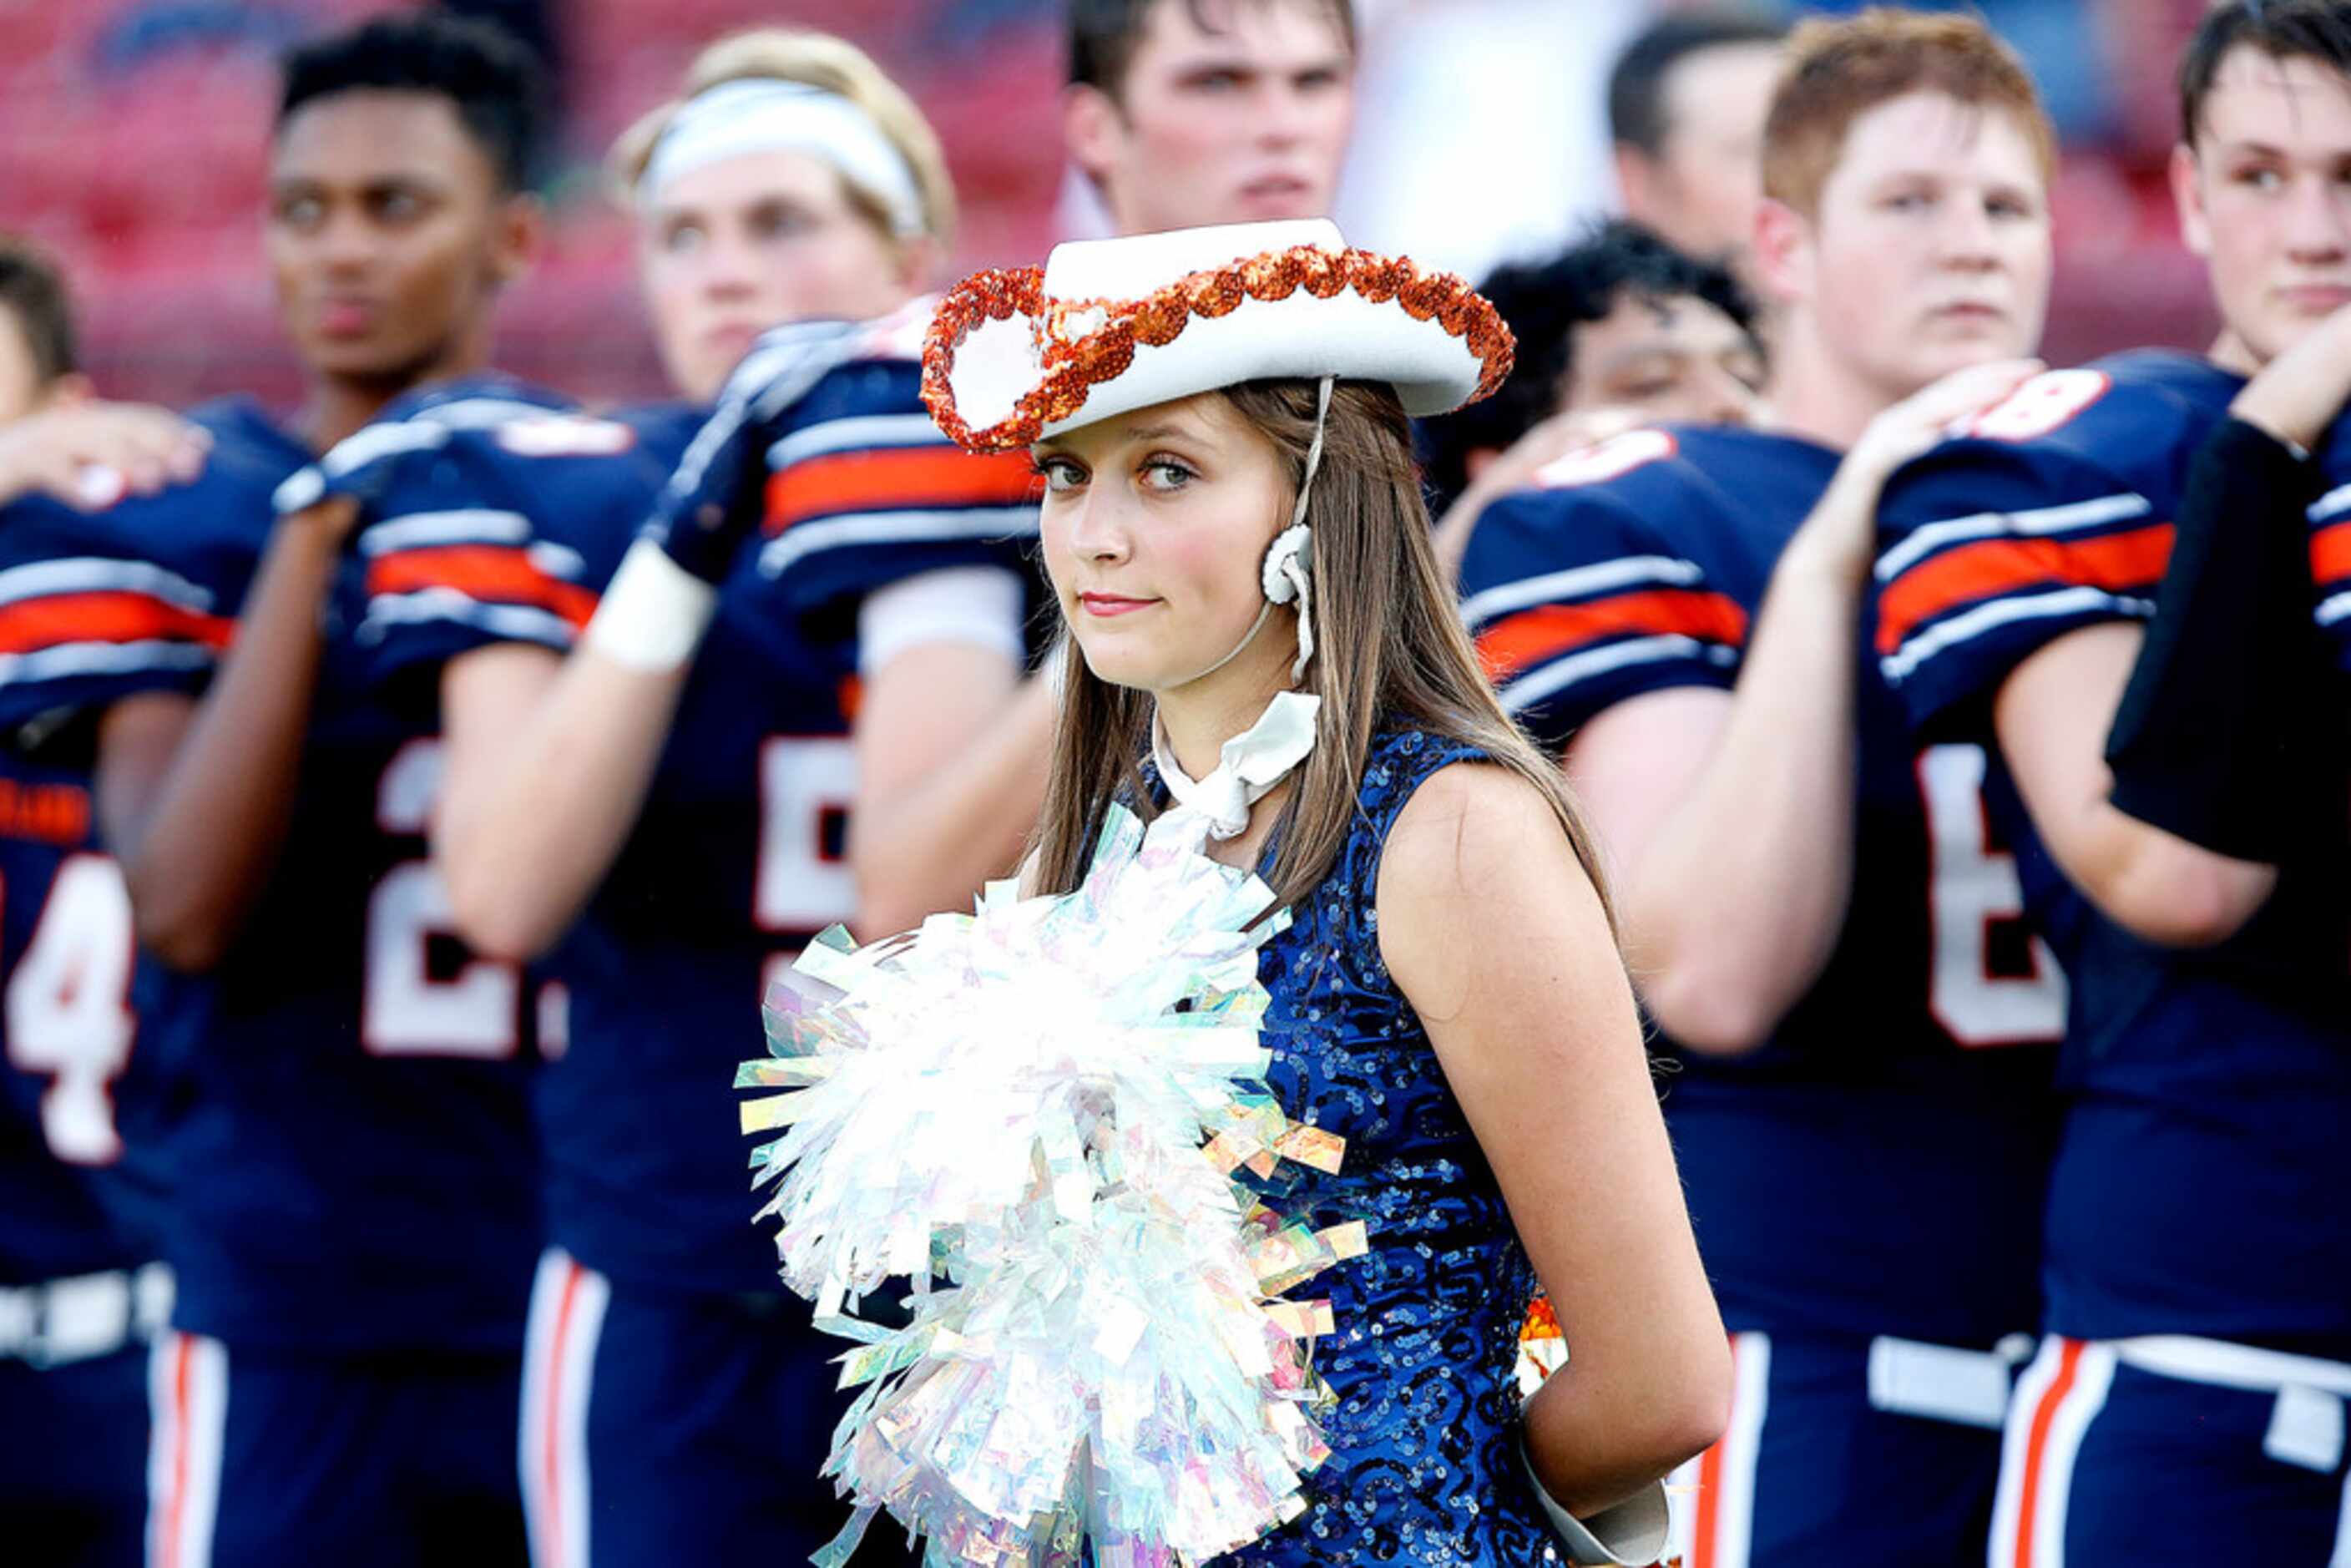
[[2333, 503], [2333, 609], [1899, 665], [467, 525], [70, 659], [891, 527], [1577, 582], [1549, 680], [847, 434], [100, 574], [2037, 522], [516, 623]]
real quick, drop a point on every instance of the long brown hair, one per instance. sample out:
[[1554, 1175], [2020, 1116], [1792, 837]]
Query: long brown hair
[[1389, 649]]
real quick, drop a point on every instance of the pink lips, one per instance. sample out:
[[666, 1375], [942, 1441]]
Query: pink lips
[[346, 317], [1109, 605], [2318, 298]]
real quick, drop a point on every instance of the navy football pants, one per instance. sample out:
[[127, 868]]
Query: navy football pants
[[1813, 1470], [73, 1447], [661, 1430], [2111, 1465], [261, 1460]]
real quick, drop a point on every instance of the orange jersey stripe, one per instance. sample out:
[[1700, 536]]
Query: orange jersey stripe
[[505, 573], [2132, 559], [882, 479], [105, 616], [2330, 552], [1519, 641]]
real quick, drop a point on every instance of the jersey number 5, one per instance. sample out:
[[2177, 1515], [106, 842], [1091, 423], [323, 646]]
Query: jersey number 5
[[1973, 890], [68, 1004]]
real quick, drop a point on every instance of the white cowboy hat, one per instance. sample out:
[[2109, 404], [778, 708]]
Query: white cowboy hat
[[1108, 326]]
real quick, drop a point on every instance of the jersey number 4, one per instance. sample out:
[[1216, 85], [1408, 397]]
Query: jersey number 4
[[68, 1003], [1972, 895]]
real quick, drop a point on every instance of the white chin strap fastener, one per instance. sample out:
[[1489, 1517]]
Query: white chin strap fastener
[[1289, 570]]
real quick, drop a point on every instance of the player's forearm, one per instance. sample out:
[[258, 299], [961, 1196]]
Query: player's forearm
[[2157, 887], [198, 857], [1735, 905], [930, 845], [2051, 715], [531, 821]]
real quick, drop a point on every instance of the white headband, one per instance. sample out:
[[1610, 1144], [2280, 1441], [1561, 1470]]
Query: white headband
[[764, 115]]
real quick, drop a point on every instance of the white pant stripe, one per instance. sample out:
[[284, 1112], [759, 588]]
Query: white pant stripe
[[1742, 1443], [567, 1318], [1713, 1496], [188, 1399], [2008, 1500], [2077, 1406], [2341, 1556]]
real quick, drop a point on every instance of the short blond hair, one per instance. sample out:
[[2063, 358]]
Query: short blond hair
[[830, 65]]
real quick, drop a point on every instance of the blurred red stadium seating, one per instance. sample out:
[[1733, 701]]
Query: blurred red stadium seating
[[132, 144]]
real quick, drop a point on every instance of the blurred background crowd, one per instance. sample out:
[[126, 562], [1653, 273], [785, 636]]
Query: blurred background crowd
[[131, 147]]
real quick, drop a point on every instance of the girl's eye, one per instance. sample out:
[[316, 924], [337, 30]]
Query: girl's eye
[[1059, 473], [682, 238], [1167, 474]]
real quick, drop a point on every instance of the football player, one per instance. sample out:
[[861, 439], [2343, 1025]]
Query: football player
[[353, 1218], [1825, 933], [1187, 112], [800, 701], [79, 1294], [2187, 1403]]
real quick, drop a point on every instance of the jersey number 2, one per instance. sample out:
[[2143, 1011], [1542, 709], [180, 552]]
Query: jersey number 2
[[69, 1007], [1973, 889], [409, 1010]]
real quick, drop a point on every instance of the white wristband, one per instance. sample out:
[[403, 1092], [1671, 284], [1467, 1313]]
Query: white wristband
[[653, 616], [1632, 1532]]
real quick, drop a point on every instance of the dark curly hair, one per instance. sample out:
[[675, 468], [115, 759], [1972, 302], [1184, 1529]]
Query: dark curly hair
[[1545, 302]]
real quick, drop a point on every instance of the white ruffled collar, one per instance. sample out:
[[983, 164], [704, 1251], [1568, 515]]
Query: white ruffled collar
[[1249, 765]]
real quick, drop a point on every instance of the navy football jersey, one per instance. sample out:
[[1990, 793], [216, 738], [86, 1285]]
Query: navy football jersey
[[2197, 1188], [739, 856], [1876, 1166], [348, 1083], [70, 1201], [84, 1103]]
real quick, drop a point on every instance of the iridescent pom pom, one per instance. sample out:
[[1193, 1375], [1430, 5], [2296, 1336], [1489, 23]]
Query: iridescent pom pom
[[1051, 1117]]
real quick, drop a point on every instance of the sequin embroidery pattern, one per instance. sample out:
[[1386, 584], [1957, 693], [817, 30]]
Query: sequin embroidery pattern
[[1424, 1468]]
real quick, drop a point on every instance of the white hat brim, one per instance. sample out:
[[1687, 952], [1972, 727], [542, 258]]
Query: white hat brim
[[1006, 363]]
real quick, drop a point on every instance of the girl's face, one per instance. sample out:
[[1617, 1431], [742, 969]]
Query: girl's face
[[1155, 529]]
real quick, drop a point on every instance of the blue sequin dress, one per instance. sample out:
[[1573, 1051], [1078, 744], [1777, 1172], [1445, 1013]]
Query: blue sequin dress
[[1425, 1465]]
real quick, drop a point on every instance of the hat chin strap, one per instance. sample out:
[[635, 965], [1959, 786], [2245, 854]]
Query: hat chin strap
[[1285, 577], [1252, 762]]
